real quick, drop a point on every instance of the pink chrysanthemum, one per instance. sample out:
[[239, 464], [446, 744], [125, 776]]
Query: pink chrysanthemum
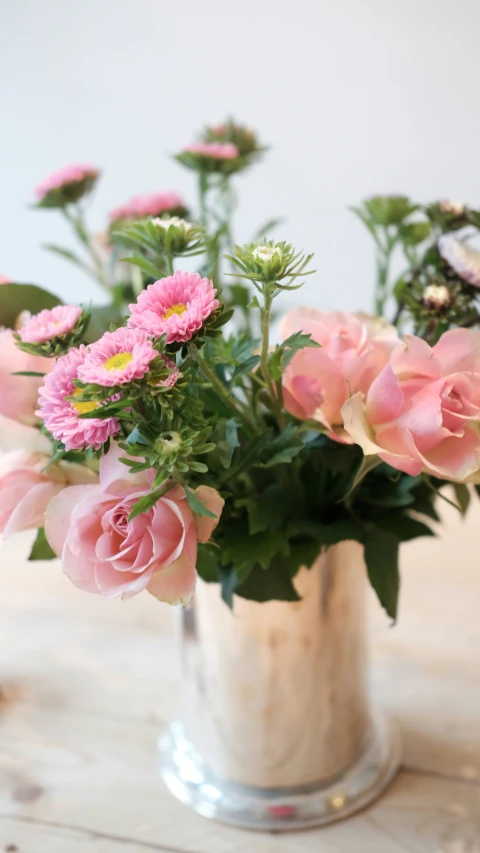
[[214, 150], [153, 204], [65, 177], [50, 323], [176, 306], [61, 417], [118, 357], [5, 280]]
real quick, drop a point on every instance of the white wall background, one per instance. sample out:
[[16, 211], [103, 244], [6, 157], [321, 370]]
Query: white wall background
[[355, 96]]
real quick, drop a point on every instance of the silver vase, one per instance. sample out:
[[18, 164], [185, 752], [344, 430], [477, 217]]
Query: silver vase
[[277, 730]]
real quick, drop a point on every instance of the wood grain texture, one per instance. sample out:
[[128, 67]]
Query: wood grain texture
[[88, 685]]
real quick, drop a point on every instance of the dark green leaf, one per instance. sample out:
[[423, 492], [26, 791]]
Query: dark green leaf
[[266, 511], [404, 527], [282, 449], [381, 557], [15, 298], [273, 585], [225, 436], [208, 562], [244, 550], [462, 494], [229, 582], [41, 549], [28, 373]]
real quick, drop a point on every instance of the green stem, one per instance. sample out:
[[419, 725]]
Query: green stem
[[80, 229], [169, 260], [381, 293], [203, 190], [222, 392], [271, 387]]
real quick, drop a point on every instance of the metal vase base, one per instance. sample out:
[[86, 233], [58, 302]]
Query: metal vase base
[[281, 809]]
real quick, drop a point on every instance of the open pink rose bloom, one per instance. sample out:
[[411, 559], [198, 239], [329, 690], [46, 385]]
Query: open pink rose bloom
[[353, 349], [103, 552], [422, 412]]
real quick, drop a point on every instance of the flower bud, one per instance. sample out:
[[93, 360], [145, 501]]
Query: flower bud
[[66, 186]]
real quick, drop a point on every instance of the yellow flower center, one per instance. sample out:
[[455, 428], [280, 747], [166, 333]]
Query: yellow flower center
[[83, 407], [118, 361], [175, 309]]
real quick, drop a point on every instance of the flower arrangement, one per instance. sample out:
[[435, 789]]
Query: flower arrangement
[[168, 436]]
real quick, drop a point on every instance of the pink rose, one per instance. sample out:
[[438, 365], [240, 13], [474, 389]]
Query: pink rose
[[318, 381], [422, 411], [19, 394], [103, 552], [26, 488]]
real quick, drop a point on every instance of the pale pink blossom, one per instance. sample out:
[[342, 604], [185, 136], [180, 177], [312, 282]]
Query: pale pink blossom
[[422, 412], [462, 258], [50, 323], [213, 150], [152, 204], [318, 381], [176, 306], [118, 357], [105, 553], [61, 416], [5, 280], [65, 177], [27, 486], [19, 394]]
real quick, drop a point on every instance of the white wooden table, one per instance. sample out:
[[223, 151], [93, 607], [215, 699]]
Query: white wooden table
[[89, 683]]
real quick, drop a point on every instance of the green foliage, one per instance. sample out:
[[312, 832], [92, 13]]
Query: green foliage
[[381, 557], [41, 549], [15, 298]]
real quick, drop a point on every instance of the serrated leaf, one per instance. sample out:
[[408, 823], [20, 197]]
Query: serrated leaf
[[243, 550], [41, 549], [225, 436], [381, 557], [404, 527], [282, 449], [273, 585], [266, 511], [196, 505]]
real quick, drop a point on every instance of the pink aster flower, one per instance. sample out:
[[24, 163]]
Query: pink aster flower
[[463, 260], [65, 177], [213, 150], [61, 417], [5, 280], [118, 357], [50, 323], [176, 306], [153, 204]]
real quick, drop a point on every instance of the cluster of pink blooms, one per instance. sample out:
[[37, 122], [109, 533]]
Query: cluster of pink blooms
[[61, 416], [50, 323], [417, 407], [153, 204], [213, 150], [65, 177]]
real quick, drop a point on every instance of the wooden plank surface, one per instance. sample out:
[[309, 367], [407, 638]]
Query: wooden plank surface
[[89, 684]]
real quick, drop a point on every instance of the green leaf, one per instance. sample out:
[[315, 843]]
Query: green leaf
[[342, 530], [41, 549], [246, 367], [412, 233], [367, 464], [146, 503], [196, 505], [240, 295], [28, 373], [208, 562], [389, 210], [381, 557], [225, 436], [15, 298], [143, 264], [282, 449], [273, 585], [229, 583], [242, 549], [404, 527], [462, 494], [67, 254], [266, 511]]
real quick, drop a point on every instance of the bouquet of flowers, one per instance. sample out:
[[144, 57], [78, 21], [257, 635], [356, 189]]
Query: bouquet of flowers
[[169, 435]]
